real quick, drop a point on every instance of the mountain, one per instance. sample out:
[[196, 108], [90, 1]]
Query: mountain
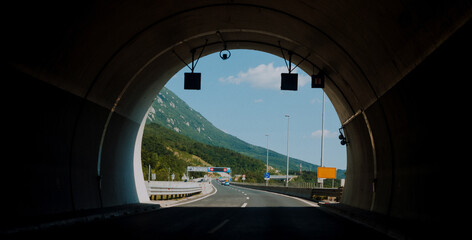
[[166, 152], [172, 112]]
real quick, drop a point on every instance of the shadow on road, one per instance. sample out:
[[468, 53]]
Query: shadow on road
[[213, 223]]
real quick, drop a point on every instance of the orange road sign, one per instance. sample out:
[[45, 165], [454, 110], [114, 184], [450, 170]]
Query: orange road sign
[[326, 172]]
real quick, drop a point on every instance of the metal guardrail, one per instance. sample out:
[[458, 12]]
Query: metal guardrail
[[158, 190], [331, 192], [307, 193]]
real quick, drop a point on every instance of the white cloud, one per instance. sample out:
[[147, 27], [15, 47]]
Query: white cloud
[[263, 76], [327, 134], [315, 100]]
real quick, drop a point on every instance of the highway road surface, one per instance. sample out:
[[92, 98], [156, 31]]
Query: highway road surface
[[233, 212]]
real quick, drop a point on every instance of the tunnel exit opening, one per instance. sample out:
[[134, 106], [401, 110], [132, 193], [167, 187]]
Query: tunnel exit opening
[[242, 96]]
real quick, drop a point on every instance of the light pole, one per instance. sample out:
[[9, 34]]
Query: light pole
[[322, 135], [149, 175], [322, 129], [267, 163], [288, 133]]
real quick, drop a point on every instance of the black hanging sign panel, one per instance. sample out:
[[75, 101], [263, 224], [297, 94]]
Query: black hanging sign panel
[[289, 81], [192, 81]]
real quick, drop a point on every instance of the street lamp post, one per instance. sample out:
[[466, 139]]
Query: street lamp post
[[288, 133], [267, 163], [322, 129], [322, 135]]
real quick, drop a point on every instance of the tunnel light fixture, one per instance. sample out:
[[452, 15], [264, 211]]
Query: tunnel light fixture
[[342, 137], [192, 80], [225, 54], [289, 81]]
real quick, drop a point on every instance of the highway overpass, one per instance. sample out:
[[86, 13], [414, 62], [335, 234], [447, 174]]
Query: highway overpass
[[78, 78]]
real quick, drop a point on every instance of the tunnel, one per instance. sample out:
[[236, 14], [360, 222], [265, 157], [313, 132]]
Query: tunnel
[[79, 77]]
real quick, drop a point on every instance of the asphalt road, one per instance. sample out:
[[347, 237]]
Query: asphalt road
[[232, 213]]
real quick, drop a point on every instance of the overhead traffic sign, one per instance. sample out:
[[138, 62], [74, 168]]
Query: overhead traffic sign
[[197, 169], [219, 169], [317, 81]]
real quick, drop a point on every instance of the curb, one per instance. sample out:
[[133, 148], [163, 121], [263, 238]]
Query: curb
[[81, 216]]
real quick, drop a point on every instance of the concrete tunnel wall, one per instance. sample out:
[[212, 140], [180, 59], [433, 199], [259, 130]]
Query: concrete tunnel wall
[[89, 72]]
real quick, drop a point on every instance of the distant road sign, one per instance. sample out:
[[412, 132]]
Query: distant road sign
[[197, 169], [326, 172], [266, 176], [219, 169]]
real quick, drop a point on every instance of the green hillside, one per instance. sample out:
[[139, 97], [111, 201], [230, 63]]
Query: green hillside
[[170, 111], [169, 152]]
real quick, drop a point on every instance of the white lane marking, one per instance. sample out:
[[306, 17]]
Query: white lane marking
[[247, 197], [244, 205], [198, 199], [245, 194], [219, 226], [302, 200], [299, 199]]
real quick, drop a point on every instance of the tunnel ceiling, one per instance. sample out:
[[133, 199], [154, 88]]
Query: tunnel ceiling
[[122, 48]]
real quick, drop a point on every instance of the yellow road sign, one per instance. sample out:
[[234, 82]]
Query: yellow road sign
[[326, 172]]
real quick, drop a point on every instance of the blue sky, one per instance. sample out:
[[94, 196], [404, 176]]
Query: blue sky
[[242, 97]]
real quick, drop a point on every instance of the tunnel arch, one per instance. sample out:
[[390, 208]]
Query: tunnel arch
[[243, 37], [250, 40], [97, 80]]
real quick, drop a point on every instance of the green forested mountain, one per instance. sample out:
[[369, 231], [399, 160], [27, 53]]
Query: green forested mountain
[[169, 152], [170, 111]]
